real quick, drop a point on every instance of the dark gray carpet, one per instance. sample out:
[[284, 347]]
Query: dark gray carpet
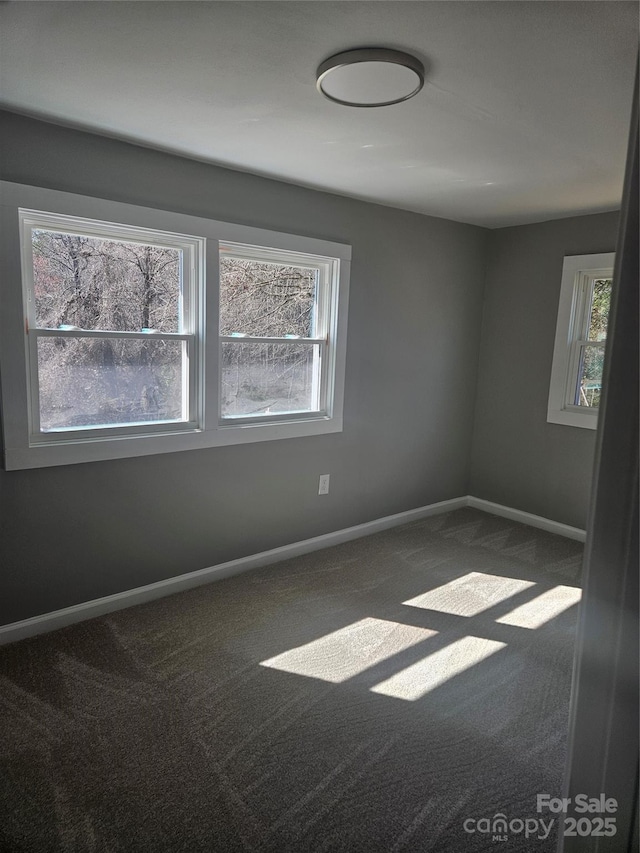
[[369, 697]]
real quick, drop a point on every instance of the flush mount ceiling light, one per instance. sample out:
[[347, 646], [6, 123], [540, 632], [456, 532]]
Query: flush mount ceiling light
[[370, 77]]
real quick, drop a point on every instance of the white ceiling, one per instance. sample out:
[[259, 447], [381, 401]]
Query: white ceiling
[[523, 117]]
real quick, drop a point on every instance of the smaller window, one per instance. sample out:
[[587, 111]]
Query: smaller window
[[581, 334], [276, 319]]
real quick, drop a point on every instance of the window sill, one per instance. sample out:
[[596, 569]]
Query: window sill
[[585, 419], [101, 449]]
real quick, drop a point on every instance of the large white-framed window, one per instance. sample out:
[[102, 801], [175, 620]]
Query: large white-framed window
[[129, 331], [581, 333], [111, 328]]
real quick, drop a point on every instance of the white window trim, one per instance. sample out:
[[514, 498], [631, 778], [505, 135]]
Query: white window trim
[[577, 270], [21, 452]]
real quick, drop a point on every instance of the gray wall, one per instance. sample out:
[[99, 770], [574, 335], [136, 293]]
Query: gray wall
[[78, 532], [519, 459]]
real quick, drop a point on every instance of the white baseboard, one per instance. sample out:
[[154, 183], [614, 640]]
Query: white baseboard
[[99, 606], [527, 518]]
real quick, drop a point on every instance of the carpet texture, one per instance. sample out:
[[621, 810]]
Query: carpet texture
[[368, 698]]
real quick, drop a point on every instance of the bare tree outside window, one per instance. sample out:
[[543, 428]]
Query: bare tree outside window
[[140, 331], [84, 283], [268, 300], [592, 353]]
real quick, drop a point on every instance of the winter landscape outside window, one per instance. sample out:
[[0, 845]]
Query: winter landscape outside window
[[130, 331]]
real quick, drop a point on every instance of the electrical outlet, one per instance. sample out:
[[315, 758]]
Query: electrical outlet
[[323, 487]]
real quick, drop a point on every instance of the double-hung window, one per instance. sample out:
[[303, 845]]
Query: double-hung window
[[275, 316], [129, 331], [110, 319], [581, 333]]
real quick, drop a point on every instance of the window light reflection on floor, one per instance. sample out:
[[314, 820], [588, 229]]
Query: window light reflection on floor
[[350, 650], [425, 675], [543, 608], [470, 594]]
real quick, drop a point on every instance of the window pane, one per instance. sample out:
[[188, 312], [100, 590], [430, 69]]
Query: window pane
[[87, 382], [269, 379], [105, 284], [590, 376], [600, 305], [265, 299]]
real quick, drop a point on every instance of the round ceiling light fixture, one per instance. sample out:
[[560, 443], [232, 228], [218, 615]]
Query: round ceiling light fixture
[[370, 77]]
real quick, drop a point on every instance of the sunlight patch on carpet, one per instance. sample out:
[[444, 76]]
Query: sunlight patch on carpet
[[349, 651], [420, 678], [543, 608], [470, 594]]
